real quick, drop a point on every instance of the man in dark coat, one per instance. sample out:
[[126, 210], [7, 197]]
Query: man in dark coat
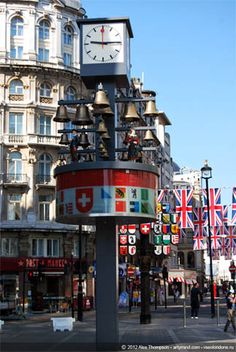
[[74, 145], [195, 301]]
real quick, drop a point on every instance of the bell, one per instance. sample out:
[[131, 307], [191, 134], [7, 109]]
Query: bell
[[101, 146], [105, 135], [148, 136], [105, 155], [150, 109], [105, 112], [64, 139], [83, 140], [101, 127], [82, 116], [61, 114], [130, 112], [101, 101]]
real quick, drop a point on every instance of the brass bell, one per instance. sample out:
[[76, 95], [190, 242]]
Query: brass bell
[[64, 139], [106, 135], [105, 112], [101, 127], [150, 109], [130, 113], [101, 146], [83, 140], [82, 116], [101, 101], [148, 136], [61, 114]]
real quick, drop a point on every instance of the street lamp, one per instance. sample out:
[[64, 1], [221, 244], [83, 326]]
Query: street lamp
[[206, 173]]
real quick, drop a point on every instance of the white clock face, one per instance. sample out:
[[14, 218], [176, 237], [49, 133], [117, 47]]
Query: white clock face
[[103, 43]]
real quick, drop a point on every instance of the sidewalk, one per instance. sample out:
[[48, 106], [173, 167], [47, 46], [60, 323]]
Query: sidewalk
[[166, 332]]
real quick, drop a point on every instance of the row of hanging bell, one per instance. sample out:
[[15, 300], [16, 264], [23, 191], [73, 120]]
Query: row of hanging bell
[[83, 140]]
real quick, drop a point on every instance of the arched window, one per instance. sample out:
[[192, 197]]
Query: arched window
[[45, 163], [68, 35], [70, 93], [17, 27], [15, 166], [45, 90], [16, 87], [191, 260], [44, 30], [181, 258]]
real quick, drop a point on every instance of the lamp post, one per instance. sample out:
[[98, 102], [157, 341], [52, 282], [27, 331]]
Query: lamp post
[[206, 173]]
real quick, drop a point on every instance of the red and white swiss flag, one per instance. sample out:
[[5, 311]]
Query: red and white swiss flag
[[145, 228], [84, 199]]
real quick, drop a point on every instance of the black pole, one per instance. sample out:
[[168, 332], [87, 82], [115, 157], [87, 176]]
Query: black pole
[[165, 292], [80, 286], [23, 290], [72, 286], [145, 316], [210, 253]]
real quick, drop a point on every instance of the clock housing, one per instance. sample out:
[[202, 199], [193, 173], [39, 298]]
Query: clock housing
[[105, 51]]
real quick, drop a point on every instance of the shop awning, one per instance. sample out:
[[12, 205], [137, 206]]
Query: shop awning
[[172, 278]]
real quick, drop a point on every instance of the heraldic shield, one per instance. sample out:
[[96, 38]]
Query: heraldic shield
[[123, 229], [157, 250], [123, 250], [157, 239], [174, 239], [157, 228], [131, 239], [166, 250], [84, 199], [123, 239], [166, 239], [174, 228], [132, 228], [132, 250]]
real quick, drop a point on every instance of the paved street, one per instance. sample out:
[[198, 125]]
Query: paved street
[[166, 332]]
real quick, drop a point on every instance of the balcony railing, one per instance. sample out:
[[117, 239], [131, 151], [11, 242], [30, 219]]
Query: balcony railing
[[15, 179], [44, 179], [40, 139]]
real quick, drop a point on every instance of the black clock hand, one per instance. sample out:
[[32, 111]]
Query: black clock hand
[[104, 43]]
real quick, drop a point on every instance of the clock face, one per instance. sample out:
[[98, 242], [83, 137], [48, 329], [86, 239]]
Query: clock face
[[103, 43]]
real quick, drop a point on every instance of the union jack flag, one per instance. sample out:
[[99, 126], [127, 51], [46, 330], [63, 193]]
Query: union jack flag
[[215, 207], [223, 247], [198, 222], [224, 229], [184, 207], [230, 240], [199, 243], [233, 220], [228, 253]]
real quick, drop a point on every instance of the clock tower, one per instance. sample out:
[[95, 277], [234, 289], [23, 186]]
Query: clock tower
[[105, 50]]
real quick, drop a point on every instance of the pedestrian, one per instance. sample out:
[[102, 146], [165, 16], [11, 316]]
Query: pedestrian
[[73, 145], [195, 300], [230, 302], [177, 294], [161, 296]]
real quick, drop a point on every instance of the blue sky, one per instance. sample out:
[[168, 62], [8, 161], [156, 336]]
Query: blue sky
[[186, 52]]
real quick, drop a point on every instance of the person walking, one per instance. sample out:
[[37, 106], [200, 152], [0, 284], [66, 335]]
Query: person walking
[[230, 302], [195, 301]]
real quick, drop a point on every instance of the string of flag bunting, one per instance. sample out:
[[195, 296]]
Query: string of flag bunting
[[173, 224]]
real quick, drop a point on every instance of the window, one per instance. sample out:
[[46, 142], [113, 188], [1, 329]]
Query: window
[[190, 259], [52, 248], [9, 247], [45, 168], [15, 167], [17, 26], [16, 52], [44, 207], [45, 90], [45, 125], [37, 247], [68, 35], [16, 87], [43, 54], [45, 247], [14, 207], [15, 123], [44, 28], [70, 93], [67, 59]]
